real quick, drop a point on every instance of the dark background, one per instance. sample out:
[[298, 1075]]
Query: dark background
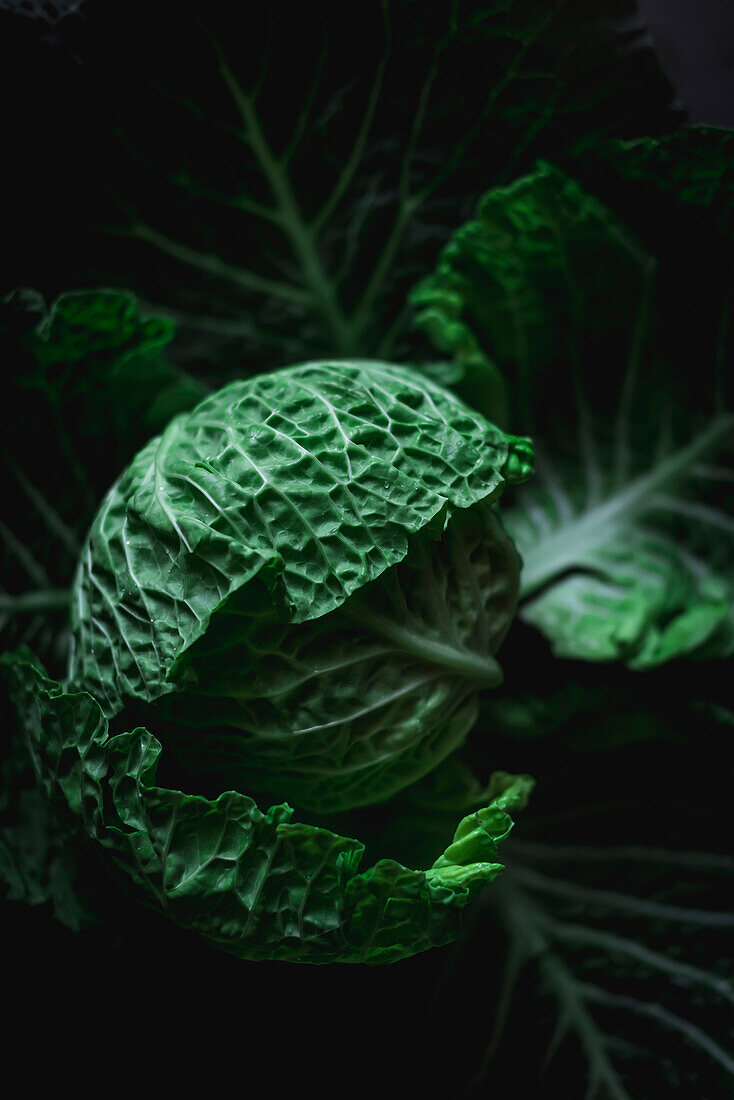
[[152, 1007], [694, 40]]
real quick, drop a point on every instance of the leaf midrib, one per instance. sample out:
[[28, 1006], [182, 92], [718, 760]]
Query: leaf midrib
[[480, 668], [571, 543]]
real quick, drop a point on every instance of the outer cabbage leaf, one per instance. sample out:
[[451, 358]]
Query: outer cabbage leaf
[[310, 479], [98, 359], [626, 533], [91, 373], [255, 884], [38, 856]]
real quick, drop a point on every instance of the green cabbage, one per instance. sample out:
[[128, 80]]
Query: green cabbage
[[301, 586]]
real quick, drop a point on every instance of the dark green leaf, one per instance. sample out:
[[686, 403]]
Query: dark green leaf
[[556, 322], [90, 378], [284, 225], [257, 884], [311, 478]]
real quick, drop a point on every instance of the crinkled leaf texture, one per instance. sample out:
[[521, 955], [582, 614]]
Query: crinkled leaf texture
[[346, 709], [38, 857], [255, 884], [310, 559], [626, 533], [89, 375], [104, 364]]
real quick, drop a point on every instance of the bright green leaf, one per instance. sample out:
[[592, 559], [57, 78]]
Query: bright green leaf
[[257, 884]]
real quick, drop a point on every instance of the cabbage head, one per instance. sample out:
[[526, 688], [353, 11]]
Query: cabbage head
[[290, 598]]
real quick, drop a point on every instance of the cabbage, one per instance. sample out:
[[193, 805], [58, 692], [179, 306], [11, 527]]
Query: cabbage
[[301, 584]]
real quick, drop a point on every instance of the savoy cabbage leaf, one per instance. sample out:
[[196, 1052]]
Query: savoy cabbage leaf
[[546, 296], [90, 372], [312, 477], [603, 950], [257, 884]]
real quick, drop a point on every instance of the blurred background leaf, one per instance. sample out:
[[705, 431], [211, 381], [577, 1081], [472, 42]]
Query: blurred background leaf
[[277, 199]]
